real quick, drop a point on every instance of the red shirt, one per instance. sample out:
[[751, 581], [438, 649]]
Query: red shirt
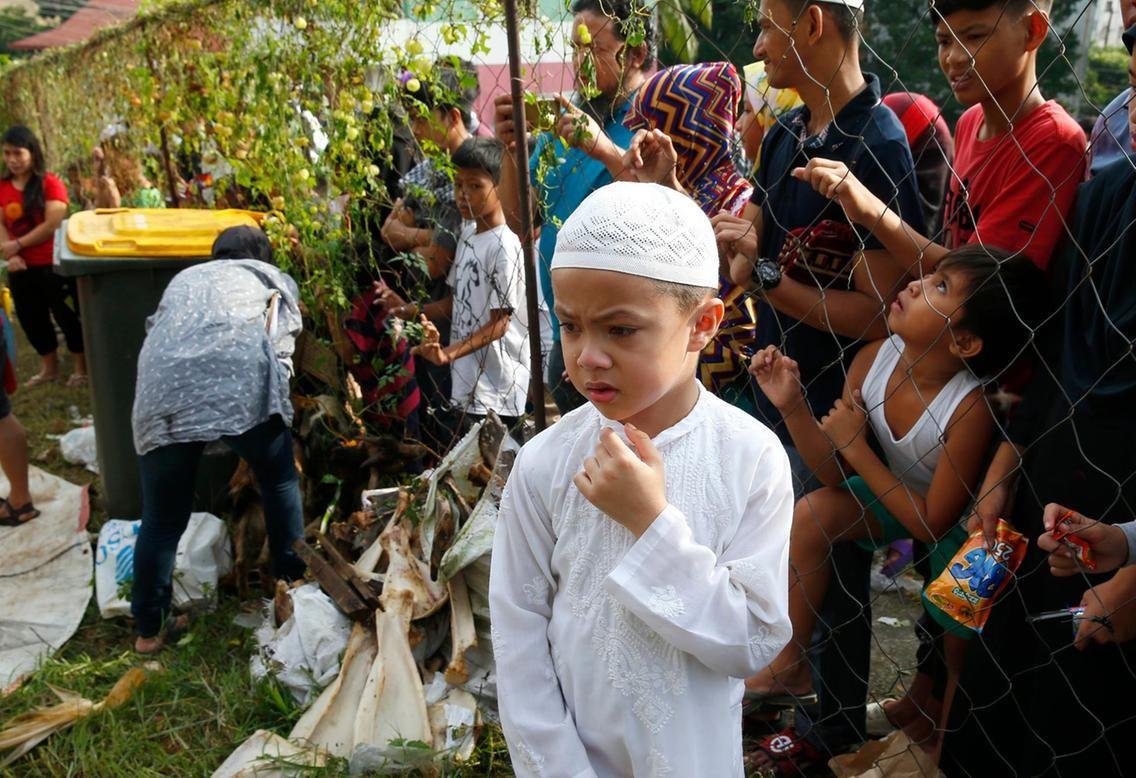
[[20, 223], [1013, 191]]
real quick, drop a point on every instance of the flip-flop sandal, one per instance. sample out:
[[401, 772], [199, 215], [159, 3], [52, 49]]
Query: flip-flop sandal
[[789, 754], [40, 378], [754, 702], [17, 516], [76, 381], [876, 721], [174, 630]]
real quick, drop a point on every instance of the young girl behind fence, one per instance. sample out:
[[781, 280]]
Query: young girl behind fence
[[919, 394]]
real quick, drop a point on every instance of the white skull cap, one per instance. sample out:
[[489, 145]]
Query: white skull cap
[[642, 230], [854, 5]]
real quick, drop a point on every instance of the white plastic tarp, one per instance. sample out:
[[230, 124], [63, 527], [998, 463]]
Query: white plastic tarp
[[45, 575]]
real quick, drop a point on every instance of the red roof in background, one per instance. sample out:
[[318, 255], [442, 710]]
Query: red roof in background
[[92, 17]]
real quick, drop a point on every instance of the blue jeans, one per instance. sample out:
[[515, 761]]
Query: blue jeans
[[168, 476]]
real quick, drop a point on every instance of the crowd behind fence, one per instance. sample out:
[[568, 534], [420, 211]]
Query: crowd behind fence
[[399, 196]]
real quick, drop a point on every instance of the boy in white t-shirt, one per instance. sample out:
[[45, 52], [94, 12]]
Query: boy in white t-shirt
[[640, 562], [488, 353]]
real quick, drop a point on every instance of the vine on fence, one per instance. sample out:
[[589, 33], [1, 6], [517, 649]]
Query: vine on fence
[[297, 101]]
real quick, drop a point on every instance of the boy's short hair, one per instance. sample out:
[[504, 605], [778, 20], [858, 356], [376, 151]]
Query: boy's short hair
[[628, 14], [482, 154], [1007, 300], [687, 297], [941, 9], [452, 83], [849, 21]]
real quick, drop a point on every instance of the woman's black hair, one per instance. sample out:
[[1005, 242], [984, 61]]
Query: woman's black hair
[[243, 243], [452, 84], [1007, 300], [21, 137], [629, 14]]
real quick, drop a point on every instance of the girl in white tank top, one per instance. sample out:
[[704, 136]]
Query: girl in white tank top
[[918, 394], [913, 456]]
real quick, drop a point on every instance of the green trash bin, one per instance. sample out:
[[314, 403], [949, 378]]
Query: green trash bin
[[122, 261]]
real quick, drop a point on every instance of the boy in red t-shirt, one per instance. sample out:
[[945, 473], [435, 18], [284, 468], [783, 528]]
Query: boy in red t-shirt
[[34, 203], [1018, 157]]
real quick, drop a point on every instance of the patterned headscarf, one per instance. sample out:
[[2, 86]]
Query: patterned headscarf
[[695, 105]]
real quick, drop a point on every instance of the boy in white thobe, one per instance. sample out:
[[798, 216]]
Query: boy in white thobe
[[640, 566]]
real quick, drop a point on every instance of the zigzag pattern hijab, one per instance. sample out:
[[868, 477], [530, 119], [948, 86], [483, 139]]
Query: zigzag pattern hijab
[[695, 105]]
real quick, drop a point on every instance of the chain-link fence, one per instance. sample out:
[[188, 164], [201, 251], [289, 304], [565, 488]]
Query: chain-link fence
[[847, 157]]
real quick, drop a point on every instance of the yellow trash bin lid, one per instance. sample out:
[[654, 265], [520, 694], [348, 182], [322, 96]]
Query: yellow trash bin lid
[[152, 232]]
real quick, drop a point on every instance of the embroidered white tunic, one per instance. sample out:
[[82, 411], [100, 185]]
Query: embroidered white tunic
[[617, 656]]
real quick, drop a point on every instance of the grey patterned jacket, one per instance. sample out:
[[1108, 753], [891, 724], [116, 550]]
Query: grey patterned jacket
[[209, 366]]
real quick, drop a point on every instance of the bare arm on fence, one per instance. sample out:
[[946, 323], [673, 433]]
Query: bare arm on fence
[[432, 350], [508, 190], [905, 247], [779, 379], [578, 129], [856, 313]]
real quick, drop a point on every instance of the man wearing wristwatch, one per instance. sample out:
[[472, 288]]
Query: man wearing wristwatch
[[825, 285]]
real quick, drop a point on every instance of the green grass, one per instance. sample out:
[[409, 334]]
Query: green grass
[[189, 716]]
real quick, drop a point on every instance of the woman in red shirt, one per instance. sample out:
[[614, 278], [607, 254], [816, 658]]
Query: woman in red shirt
[[34, 204]]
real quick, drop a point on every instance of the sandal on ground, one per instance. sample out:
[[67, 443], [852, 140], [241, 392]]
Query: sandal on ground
[[77, 380], [13, 516], [788, 753], [754, 702], [40, 378], [174, 630]]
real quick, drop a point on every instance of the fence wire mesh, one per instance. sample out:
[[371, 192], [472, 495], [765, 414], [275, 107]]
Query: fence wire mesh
[[847, 156]]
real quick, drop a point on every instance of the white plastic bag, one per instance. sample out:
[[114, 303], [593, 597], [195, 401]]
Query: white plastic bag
[[304, 653], [203, 556], [78, 448]]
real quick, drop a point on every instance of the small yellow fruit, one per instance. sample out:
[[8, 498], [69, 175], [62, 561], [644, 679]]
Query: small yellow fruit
[[414, 47], [352, 133], [300, 23], [278, 203], [367, 105], [584, 34], [304, 174], [373, 170], [413, 85]]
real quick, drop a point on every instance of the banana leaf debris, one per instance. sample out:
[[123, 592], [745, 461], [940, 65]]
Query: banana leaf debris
[[411, 572]]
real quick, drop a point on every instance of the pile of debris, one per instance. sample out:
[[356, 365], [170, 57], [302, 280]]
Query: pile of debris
[[411, 570]]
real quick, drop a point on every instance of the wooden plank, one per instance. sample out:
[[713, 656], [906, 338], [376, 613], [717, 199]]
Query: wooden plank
[[332, 583], [315, 358], [348, 572]]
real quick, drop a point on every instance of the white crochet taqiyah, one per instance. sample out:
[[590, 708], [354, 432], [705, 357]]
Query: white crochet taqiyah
[[643, 230]]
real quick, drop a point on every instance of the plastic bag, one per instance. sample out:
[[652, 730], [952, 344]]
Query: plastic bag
[[78, 447], [968, 587], [303, 653], [893, 757], [203, 556]]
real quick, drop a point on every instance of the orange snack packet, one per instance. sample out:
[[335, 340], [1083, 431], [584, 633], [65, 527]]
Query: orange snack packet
[[967, 588]]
